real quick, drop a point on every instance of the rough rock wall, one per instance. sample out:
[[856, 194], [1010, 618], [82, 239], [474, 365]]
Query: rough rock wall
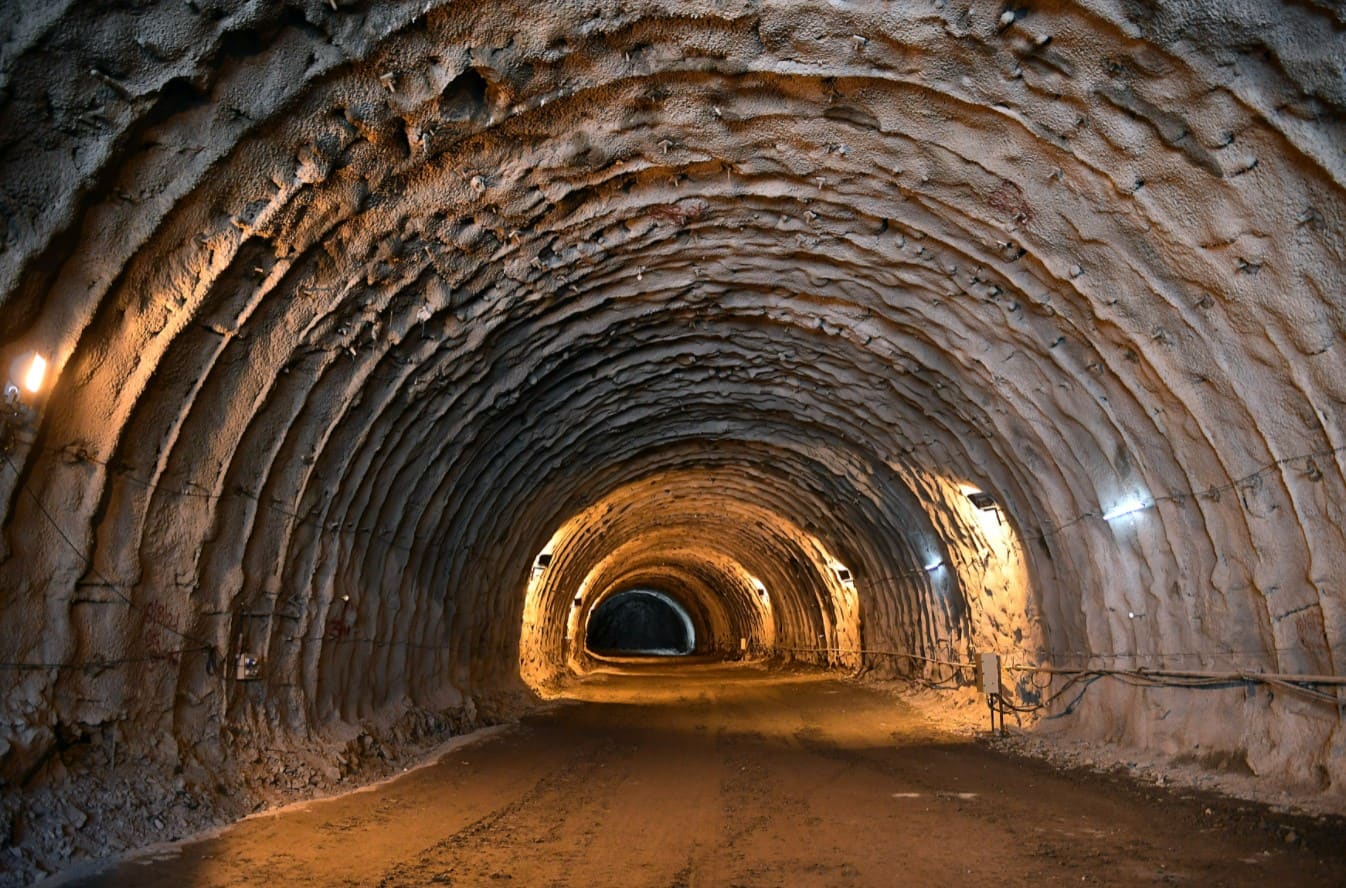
[[352, 305]]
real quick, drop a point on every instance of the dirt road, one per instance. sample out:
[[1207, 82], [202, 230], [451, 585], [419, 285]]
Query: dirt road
[[714, 776]]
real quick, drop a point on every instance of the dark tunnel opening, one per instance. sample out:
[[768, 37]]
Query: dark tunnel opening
[[641, 621]]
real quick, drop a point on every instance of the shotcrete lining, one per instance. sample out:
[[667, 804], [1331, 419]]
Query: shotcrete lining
[[320, 333], [714, 524]]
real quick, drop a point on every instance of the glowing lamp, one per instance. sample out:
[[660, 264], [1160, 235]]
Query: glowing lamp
[[1126, 507], [935, 565], [26, 375], [36, 373]]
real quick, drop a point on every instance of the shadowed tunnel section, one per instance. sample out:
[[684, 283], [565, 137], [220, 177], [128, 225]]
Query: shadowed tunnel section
[[848, 325], [640, 621]]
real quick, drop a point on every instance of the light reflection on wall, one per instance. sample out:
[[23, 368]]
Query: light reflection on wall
[[985, 550], [842, 613]]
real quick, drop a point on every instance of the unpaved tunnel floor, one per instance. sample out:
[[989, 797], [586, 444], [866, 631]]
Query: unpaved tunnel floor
[[714, 776]]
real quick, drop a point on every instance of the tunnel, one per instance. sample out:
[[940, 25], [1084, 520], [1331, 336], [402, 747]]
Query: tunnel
[[640, 621], [365, 360]]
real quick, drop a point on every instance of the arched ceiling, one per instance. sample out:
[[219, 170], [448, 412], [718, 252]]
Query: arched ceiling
[[352, 306]]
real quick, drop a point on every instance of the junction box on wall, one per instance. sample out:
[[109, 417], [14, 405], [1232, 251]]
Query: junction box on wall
[[249, 668], [988, 673], [988, 682]]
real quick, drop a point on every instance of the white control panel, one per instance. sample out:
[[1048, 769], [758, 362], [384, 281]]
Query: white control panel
[[988, 673]]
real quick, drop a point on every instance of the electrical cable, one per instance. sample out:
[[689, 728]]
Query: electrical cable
[[379, 643], [1214, 492], [1251, 480], [99, 665], [171, 656], [903, 654], [204, 493], [203, 644], [93, 569], [1179, 676], [1136, 678], [1308, 692], [938, 684], [1090, 655], [1070, 707], [1190, 681]]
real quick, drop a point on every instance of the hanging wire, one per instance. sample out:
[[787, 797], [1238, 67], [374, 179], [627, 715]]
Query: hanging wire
[[1252, 480], [1304, 685], [195, 490], [148, 616]]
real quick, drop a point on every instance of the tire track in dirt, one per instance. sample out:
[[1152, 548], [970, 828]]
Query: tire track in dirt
[[489, 848], [715, 777]]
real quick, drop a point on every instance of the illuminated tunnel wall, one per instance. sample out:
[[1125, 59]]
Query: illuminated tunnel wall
[[355, 308]]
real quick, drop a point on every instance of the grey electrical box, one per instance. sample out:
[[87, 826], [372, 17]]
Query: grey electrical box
[[988, 673], [249, 668]]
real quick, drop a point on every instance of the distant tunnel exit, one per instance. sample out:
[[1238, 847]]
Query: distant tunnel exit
[[641, 621]]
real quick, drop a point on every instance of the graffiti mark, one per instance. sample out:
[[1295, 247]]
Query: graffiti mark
[[682, 212], [336, 629], [1009, 200]]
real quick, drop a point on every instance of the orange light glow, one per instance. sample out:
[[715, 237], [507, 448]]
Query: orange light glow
[[36, 373]]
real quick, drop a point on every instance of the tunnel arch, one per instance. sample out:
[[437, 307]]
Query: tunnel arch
[[344, 331], [641, 621]]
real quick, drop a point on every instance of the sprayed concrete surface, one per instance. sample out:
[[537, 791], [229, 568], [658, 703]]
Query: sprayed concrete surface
[[676, 775], [355, 308]]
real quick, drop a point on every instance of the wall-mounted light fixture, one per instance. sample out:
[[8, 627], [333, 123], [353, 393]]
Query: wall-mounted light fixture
[[760, 587], [25, 381], [1128, 506], [541, 564], [27, 375], [33, 372], [844, 575], [981, 499], [934, 565]]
